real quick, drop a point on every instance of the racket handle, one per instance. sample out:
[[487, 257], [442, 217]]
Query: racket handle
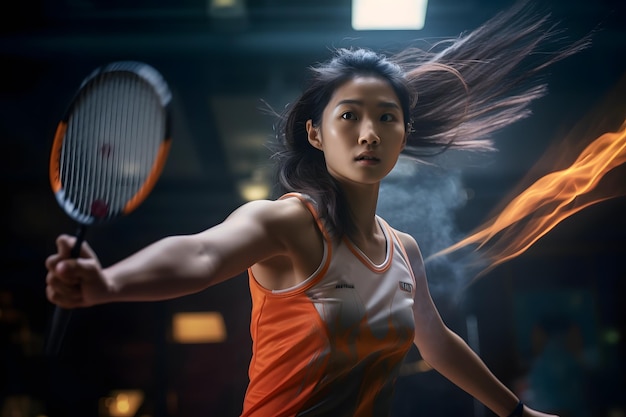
[[60, 319], [61, 316]]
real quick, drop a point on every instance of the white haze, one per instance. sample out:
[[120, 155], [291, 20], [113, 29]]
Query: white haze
[[422, 200]]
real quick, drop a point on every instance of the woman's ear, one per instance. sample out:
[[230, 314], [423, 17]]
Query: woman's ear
[[313, 135], [404, 141], [407, 131]]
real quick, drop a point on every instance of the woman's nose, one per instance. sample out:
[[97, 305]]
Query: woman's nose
[[369, 136]]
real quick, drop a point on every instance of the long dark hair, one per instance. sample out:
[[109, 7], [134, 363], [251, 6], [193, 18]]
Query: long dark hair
[[454, 94]]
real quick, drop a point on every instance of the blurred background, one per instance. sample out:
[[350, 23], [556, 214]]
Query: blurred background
[[549, 322]]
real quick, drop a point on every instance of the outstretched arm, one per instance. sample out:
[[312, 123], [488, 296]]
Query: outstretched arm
[[447, 353], [173, 266]]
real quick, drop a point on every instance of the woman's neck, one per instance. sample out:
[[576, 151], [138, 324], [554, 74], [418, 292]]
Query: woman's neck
[[362, 201]]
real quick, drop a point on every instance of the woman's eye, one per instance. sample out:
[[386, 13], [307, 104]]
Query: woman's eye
[[348, 116], [387, 117]]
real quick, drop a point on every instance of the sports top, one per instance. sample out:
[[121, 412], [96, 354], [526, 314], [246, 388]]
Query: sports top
[[333, 344]]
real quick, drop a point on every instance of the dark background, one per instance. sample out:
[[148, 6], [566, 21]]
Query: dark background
[[549, 323]]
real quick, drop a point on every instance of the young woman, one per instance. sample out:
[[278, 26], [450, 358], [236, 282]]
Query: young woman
[[338, 295]]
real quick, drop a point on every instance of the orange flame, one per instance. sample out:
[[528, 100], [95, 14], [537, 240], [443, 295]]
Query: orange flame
[[548, 201]]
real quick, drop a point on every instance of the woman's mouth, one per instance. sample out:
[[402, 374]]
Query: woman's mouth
[[366, 156], [367, 159]]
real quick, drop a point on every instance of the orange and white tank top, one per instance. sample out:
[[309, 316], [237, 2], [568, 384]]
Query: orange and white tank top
[[332, 345]]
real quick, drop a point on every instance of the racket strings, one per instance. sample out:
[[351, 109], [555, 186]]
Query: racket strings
[[111, 144]]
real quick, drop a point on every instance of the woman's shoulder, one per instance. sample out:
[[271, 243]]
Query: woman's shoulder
[[409, 243], [287, 213], [290, 222], [405, 238], [412, 252]]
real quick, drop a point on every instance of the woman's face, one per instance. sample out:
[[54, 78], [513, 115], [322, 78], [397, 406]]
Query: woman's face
[[362, 131]]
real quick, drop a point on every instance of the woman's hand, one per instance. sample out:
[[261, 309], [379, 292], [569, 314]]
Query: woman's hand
[[72, 283]]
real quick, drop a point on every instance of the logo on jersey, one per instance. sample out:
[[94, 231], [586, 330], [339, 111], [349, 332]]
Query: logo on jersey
[[406, 287]]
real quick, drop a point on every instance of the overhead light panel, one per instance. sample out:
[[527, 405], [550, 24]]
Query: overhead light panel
[[388, 14], [227, 9]]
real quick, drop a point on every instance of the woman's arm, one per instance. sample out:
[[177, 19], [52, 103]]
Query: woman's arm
[[447, 353], [177, 265]]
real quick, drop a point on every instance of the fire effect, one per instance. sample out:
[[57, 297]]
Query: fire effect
[[548, 201]]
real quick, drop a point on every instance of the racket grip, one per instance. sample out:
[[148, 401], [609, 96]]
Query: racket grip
[[60, 319], [61, 316]]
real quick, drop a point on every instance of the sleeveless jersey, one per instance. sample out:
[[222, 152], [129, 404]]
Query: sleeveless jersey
[[332, 345]]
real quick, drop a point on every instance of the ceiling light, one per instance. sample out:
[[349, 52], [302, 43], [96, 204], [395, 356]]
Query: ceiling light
[[388, 14], [227, 9]]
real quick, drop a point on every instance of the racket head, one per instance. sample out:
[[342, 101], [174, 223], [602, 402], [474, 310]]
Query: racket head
[[112, 143]]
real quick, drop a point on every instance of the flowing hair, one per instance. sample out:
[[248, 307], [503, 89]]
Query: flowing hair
[[454, 95]]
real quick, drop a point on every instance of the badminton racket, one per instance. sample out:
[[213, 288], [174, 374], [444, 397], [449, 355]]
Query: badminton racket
[[108, 152]]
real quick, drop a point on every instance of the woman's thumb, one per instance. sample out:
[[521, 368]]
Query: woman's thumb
[[64, 245]]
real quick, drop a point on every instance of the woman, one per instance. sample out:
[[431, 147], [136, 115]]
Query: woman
[[338, 295]]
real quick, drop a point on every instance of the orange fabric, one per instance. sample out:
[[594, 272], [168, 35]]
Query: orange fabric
[[334, 344], [290, 337]]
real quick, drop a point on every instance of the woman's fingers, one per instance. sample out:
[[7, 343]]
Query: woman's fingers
[[86, 251], [63, 293], [64, 245], [51, 261], [66, 281], [69, 279]]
